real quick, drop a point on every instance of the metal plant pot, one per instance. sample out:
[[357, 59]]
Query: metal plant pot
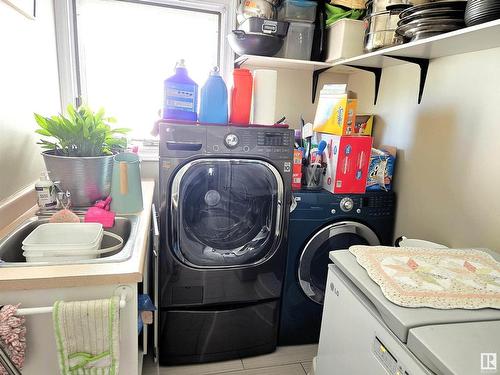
[[88, 179]]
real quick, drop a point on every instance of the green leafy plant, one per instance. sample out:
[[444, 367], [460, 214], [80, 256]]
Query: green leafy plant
[[81, 133]]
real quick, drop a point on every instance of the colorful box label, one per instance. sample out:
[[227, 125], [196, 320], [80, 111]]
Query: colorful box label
[[347, 161], [336, 111], [297, 170]]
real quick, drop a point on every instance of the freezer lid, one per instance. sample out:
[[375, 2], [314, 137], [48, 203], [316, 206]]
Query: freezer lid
[[401, 319], [457, 349]]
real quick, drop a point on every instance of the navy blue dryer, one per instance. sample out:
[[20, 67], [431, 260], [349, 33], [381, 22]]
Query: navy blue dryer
[[322, 222]]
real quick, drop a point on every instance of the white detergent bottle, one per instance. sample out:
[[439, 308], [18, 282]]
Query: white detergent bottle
[[46, 192]]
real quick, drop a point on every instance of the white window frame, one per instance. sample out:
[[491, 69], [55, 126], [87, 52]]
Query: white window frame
[[67, 40]]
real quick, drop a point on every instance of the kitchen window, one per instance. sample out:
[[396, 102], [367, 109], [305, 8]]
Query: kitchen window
[[117, 53]]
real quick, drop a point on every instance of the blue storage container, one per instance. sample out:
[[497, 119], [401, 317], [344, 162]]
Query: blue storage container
[[213, 100], [180, 98]]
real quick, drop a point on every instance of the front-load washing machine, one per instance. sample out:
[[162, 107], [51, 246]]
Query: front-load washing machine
[[224, 194], [322, 222]]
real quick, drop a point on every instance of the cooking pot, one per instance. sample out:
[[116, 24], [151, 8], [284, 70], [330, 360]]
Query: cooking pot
[[254, 43], [376, 6], [387, 20], [381, 39], [380, 30], [256, 8]]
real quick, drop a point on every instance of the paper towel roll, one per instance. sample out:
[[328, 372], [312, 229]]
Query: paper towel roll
[[264, 96]]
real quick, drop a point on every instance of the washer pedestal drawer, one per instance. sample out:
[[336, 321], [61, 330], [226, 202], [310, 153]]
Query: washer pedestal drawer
[[218, 333]]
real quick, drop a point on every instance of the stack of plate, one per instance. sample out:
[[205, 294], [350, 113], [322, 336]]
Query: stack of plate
[[479, 11], [426, 20]]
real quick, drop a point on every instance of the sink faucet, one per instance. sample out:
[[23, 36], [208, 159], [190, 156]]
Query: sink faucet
[[63, 201]]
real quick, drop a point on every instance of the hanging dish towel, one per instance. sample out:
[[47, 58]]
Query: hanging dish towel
[[87, 336], [12, 336], [436, 278]]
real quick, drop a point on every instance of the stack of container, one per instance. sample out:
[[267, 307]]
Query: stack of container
[[301, 15], [62, 242], [352, 166], [348, 147]]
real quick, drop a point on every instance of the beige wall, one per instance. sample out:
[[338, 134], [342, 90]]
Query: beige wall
[[294, 94], [448, 168], [28, 83]]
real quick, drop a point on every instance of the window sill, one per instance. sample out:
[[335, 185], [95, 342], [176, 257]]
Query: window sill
[[148, 149]]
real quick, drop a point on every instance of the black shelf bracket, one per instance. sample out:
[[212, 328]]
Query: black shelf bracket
[[316, 75], [378, 76], [424, 67], [238, 64]]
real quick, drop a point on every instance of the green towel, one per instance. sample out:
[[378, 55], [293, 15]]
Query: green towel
[[335, 13], [87, 336]]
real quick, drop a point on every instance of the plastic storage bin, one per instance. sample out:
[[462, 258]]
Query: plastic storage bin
[[59, 236], [297, 10], [345, 39], [298, 42], [62, 242]]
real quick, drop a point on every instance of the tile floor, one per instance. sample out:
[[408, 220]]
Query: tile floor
[[286, 360]]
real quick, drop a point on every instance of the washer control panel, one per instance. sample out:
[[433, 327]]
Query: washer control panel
[[367, 205], [275, 143], [271, 139], [231, 140], [346, 204]]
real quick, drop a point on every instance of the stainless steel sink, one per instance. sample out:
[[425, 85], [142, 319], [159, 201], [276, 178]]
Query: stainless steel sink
[[11, 252]]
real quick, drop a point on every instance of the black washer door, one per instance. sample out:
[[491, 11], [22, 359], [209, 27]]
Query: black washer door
[[314, 260], [226, 212]]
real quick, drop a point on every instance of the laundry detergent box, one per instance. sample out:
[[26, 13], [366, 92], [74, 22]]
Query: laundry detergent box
[[297, 170], [347, 160], [363, 125], [381, 169], [336, 111]]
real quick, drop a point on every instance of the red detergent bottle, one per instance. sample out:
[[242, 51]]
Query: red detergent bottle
[[241, 96]]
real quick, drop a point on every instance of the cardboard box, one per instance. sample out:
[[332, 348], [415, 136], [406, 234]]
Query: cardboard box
[[363, 125], [297, 170], [381, 169], [347, 160], [336, 111]]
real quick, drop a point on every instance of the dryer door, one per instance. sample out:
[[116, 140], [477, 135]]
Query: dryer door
[[314, 260], [226, 212]]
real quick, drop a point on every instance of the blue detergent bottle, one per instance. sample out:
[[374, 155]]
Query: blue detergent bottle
[[180, 96], [213, 100]]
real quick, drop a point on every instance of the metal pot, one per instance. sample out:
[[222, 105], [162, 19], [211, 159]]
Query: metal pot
[[254, 43], [382, 39], [380, 30], [88, 179], [256, 8], [261, 25], [376, 6], [387, 20]]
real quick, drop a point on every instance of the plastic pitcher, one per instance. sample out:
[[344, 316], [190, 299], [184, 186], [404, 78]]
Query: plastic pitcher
[[126, 189]]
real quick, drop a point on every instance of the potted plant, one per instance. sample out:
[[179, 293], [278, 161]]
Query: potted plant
[[79, 152]]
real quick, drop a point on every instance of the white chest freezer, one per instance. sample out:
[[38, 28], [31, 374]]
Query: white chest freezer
[[363, 333]]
